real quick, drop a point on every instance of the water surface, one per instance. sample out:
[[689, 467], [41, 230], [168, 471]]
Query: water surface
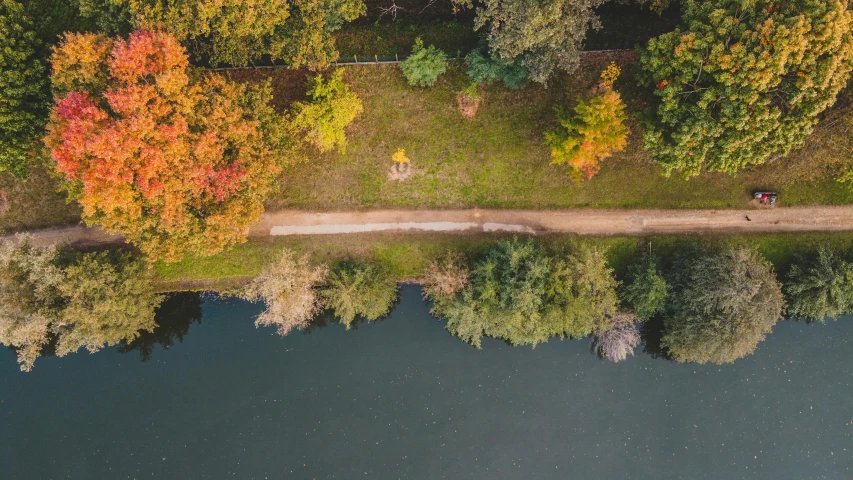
[[401, 398]]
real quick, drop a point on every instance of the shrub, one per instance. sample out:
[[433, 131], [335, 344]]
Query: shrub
[[821, 288], [521, 295], [646, 289], [619, 341], [594, 132], [721, 307], [424, 65], [360, 290], [24, 91], [325, 119], [445, 277], [484, 68], [741, 83], [174, 164], [290, 291], [82, 300]]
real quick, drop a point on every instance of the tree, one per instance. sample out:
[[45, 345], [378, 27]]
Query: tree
[[237, 32], [543, 35], [619, 341], [646, 289], [519, 294], [594, 132], [445, 277], [325, 119], [485, 68], [24, 92], [290, 291], [743, 81], [820, 289], [360, 290], [722, 305], [109, 298], [86, 300], [424, 65], [30, 296], [113, 17], [176, 164]]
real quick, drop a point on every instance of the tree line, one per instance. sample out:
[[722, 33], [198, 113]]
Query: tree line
[[716, 304]]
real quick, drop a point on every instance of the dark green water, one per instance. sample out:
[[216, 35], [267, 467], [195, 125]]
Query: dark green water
[[403, 399]]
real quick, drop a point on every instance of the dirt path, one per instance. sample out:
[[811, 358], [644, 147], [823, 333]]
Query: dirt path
[[578, 221]]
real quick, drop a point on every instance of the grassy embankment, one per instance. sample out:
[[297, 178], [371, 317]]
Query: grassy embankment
[[406, 256], [498, 160]]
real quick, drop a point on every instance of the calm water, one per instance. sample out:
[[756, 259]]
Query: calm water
[[403, 399]]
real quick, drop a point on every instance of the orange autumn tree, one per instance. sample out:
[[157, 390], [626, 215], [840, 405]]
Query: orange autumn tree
[[594, 131], [175, 162]]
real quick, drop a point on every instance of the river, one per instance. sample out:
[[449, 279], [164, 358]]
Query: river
[[401, 398]]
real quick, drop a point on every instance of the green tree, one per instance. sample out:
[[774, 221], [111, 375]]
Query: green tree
[[81, 299], [424, 65], [743, 81], [543, 35], [646, 289], [113, 17], [360, 290], [721, 307], [519, 294], [109, 299], [820, 289], [237, 32], [24, 89], [485, 68], [324, 120]]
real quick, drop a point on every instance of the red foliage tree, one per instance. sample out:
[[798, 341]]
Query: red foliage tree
[[178, 165]]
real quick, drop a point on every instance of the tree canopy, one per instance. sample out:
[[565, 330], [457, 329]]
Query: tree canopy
[[646, 289], [544, 35], [323, 121], [237, 32], [520, 294], [359, 290], [83, 300], [820, 288], [743, 81], [722, 304], [176, 163], [24, 89]]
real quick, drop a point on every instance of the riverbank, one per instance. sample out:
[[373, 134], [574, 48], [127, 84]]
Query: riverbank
[[407, 256]]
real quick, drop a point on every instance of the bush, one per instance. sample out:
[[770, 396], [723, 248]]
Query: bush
[[360, 290], [290, 291], [619, 341], [445, 277], [594, 132], [484, 68], [646, 289], [820, 289], [424, 65], [721, 307], [82, 300], [325, 119], [521, 295]]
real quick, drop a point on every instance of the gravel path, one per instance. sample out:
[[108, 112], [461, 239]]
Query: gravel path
[[578, 221]]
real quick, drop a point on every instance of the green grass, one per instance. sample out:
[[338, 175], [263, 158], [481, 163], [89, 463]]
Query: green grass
[[406, 256], [499, 159]]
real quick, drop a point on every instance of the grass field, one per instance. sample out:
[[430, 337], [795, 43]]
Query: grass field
[[406, 256], [499, 160]]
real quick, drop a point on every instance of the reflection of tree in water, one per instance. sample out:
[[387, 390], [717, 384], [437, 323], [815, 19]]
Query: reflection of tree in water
[[174, 316]]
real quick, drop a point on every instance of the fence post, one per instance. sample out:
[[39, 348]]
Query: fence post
[[376, 57], [356, 59], [397, 58]]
